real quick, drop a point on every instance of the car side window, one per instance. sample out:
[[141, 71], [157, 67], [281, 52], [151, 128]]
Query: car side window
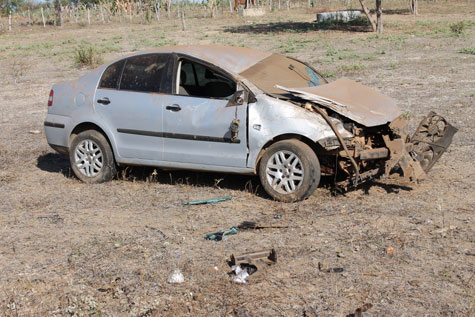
[[111, 76], [200, 81], [144, 73]]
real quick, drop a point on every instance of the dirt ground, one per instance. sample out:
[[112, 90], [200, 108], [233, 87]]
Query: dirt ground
[[67, 248]]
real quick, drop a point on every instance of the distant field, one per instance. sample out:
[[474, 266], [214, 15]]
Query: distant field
[[67, 248]]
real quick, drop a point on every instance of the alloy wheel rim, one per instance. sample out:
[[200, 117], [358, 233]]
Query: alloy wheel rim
[[284, 172], [88, 158]]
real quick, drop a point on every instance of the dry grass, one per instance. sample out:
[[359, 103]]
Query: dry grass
[[77, 249]]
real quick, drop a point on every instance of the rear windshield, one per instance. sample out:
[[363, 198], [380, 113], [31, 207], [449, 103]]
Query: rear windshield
[[281, 70]]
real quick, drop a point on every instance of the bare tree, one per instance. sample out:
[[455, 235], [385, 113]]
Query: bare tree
[[377, 25]]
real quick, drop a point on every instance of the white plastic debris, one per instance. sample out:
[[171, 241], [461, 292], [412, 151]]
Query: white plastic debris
[[241, 274], [176, 277]]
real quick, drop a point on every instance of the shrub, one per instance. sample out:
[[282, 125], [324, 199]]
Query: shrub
[[458, 28], [87, 56]]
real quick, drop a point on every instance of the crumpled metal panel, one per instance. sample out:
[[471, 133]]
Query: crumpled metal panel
[[270, 118], [352, 100]]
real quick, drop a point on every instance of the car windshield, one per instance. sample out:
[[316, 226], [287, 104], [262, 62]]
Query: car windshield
[[281, 70]]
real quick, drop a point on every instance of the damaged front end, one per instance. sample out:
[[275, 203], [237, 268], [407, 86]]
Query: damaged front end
[[388, 151], [381, 145]]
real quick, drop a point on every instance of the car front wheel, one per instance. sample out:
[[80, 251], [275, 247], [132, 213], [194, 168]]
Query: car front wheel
[[91, 157], [289, 171]]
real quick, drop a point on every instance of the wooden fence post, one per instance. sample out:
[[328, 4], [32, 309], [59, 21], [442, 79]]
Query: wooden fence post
[[43, 18], [10, 21], [183, 24], [102, 14], [157, 11]]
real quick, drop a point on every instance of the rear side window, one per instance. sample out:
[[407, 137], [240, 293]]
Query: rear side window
[[144, 73], [111, 77]]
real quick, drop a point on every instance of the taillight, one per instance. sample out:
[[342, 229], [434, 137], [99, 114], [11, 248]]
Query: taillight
[[50, 99]]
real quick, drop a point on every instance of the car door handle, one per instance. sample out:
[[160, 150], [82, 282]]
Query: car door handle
[[104, 101], [174, 108]]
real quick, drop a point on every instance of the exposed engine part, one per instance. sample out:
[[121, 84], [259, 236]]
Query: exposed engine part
[[431, 140], [338, 135]]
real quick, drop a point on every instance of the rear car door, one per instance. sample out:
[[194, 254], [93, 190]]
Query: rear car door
[[198, 118], [129, 100]]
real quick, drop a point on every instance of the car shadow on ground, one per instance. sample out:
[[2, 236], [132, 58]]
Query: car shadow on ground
[[359, 25], [389, 188], [58, 163], [55, 163]]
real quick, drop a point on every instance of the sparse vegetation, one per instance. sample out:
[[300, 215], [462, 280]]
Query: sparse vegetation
[[87, 56], [467, 50], [458, 28], [352, 68], [19, 68]]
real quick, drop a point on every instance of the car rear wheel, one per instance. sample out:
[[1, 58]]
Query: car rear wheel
[[289, 171], [91, 157]]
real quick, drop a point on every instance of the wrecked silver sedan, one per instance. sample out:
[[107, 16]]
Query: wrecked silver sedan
[[236, 110]]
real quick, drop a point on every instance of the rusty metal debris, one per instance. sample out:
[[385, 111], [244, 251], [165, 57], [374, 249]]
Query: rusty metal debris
[[265, 256], [360, 310], [329, 270], [250, 263]]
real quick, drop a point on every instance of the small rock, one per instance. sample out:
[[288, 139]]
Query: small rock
[[390, 251], [176, 277]]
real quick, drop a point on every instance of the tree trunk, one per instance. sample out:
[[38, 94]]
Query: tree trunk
[[414, 6], [368, 15], [59, 18], [379, 16]]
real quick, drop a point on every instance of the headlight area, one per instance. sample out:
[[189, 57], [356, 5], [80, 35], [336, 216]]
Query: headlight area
[[366, 149]]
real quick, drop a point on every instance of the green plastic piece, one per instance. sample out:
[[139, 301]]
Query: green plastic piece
[[218, 236], [208, 201]]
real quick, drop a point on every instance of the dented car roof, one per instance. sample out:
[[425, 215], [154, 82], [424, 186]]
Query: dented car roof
[[233, 59]]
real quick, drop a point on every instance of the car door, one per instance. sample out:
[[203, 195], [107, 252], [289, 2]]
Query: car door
[[128, 99], [199, 118]]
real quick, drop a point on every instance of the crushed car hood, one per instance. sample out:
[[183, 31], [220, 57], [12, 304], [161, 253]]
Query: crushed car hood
[[352, 100]]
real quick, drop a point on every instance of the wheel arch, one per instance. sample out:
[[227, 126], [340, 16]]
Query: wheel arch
[[84, 126], [317, 148]]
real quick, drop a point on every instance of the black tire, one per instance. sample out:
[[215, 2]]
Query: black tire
[[308, 165], [85, 159]]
